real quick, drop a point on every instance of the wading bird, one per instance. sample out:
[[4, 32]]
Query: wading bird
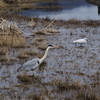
[[31, 65], [80, 41]]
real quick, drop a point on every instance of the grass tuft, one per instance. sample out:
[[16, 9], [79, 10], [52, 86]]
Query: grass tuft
[[25, 78]]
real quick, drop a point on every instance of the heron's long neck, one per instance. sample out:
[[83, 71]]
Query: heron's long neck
[[45, 55]]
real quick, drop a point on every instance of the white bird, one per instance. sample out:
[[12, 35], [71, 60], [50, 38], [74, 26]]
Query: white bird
[[34, 63], [80, 41]]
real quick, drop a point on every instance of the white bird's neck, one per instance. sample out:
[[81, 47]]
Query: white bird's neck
[[45, 55]]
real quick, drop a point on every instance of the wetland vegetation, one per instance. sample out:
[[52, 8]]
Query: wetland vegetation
[[69, 73]]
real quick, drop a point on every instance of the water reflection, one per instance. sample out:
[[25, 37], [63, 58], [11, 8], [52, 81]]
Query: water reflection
[[78, 9]]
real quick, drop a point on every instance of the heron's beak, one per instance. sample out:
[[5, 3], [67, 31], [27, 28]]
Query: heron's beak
[[57, 47]]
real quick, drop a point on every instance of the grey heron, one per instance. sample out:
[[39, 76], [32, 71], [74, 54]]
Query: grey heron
[[34, 63], [80, 41]]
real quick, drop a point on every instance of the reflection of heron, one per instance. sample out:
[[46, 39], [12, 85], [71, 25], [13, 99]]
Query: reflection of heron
[[81, 41], [34, 63]]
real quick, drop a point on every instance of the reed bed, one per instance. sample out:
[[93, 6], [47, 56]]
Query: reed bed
[[12, 41], [10, 34], [10, 37]]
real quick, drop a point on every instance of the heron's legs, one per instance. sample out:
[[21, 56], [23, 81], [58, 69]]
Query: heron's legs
[[33, 75]]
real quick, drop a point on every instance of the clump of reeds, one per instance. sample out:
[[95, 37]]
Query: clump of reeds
[[3, 50], [40, 41], [2, 5], [34, 42], [18, 41], [32, 23], [36, 97], [10, 28], [10, 37], [84, 94], [31, 52], [25, 78], [92, 23], [47, 29], [40, 38], [52, 30], [10, 34], [66, 85], [13, 41], [40, 32], [40, 55], [23, 54], [74, 21], [43, 45], [5, 57], [14, 29]]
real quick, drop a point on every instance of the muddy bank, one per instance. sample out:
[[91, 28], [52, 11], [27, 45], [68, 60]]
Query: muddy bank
[[69, 73]]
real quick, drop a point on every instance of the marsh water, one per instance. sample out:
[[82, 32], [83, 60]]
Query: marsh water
[[69, 9], [70, 63]]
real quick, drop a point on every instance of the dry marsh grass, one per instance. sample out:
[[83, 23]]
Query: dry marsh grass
[[32, 23], [2, 4], [57, 87], [47, 7], [92, 23], [10, 37], [40, 32], [65, 86], [78, 91], [35, 43], [52, 30], [26, 6], [3, 50], [9, 28], [43, 45], [35, 97], [10, 34], [73, 21], [86, 95], [40, 38], [25, 78], [40, 41], [31, 52], [13, 41], [18, 41], [40, 55], [23, 54]]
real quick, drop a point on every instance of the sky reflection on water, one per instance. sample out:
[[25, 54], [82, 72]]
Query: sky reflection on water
[[82, 12]]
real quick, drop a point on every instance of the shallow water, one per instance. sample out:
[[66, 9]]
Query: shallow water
[[69, 62], [77, 9]]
